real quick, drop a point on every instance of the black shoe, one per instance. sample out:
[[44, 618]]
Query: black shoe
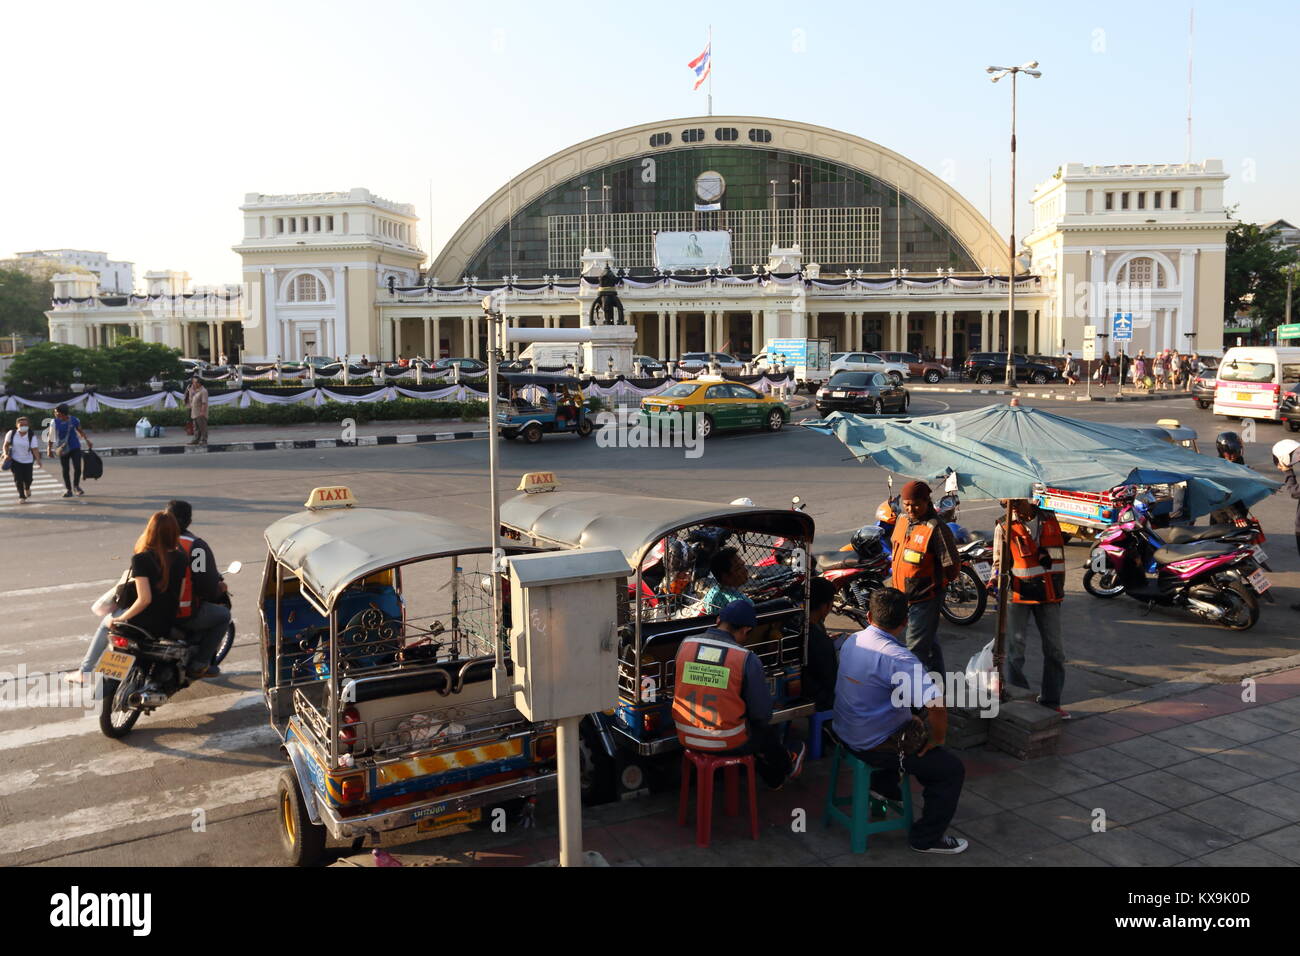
[[79, 491], [950, 845], [67, 494]]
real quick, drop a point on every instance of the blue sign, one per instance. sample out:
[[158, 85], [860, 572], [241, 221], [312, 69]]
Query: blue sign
[[794, 350], [1122, 326]]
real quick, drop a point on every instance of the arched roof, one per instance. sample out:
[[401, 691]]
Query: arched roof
[[985, 246]]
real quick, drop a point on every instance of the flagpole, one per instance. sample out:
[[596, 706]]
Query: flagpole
[[711, 70]]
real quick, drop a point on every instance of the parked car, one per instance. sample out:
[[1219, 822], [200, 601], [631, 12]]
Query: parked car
[[649, 366], [1289, 408], [1203, 387], [989, 367], [928, 370], [854, 391], [468, 366], [868, 362], [696, 362]]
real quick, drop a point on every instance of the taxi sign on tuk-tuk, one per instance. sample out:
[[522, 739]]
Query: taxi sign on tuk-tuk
[[537, 481], [336, 496]]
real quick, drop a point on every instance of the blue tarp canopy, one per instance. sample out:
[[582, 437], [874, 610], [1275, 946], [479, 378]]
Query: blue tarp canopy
[[1003, 451]]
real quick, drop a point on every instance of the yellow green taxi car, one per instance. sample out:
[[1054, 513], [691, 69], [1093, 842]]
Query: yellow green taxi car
[[721, 405]]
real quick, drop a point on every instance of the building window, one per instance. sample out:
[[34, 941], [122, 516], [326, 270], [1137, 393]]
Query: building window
[[293, 224], [315, 223], [692, 135], [1143, 272], [329, 220], [1142, 200], [306, 288], [1123, 200], [1173, 199], [1110, 200], [760, 136], [279, 225], [1156, 198], [661, 139], [1197, 194], [726, 134]]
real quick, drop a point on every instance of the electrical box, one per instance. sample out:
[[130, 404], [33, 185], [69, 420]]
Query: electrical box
[[564, 634]]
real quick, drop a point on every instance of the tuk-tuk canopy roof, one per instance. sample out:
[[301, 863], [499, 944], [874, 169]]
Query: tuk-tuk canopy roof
[[634, 523], [539, 378], [330, 549], [1166, 433]]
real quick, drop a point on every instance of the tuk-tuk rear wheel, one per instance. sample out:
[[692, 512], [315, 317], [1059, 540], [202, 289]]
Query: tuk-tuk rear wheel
[[303, 841], [584, 428], [533, 434]]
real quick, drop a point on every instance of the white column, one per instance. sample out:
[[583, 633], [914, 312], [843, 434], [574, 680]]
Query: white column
[[661, 350], [340, 339], [428, 338], [397, 338], [756, 343], [1188, 320], [949, 336], [1098, 307], [673, 353], [1031, 332], [902, 331], [813, 324], [436, 353], [272, 320]]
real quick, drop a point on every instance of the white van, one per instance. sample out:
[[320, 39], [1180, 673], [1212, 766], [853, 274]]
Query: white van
[[1252, 380], [553, 356]]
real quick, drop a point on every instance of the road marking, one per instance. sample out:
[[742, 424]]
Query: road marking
[[43, 484], [147, 808], [175, 747], [89, 723], [53, 588]]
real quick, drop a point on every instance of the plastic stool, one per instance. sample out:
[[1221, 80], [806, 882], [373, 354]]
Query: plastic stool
[[705, 767], [861, 803]]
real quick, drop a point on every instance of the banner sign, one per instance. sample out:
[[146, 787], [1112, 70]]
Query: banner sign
[[693, 250]]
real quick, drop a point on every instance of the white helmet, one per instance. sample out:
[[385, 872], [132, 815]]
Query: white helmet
[[1284, 452], [747, 502]]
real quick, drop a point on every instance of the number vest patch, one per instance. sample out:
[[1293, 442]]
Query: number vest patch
[[708, 709]]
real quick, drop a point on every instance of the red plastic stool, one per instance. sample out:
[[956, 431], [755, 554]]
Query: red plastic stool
[[705, 766]]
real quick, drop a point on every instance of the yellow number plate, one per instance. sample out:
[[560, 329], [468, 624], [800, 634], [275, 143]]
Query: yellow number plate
[[432, 824], [1069, 528], [114, 664], [1245, 396]]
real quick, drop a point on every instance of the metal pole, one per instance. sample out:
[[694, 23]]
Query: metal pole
[[566, 741], [1011, 249], [500, 679], [1004, 586]]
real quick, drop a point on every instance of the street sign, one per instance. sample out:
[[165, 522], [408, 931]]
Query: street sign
[[1291, 331], [1122, 326], [1089, 342]]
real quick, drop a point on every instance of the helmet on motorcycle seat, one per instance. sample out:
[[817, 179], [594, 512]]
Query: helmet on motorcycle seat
[[866, 542], [1229, 446], [746, 502], [886, 512]]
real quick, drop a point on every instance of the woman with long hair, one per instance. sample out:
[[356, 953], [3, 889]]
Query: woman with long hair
[[158, 570]]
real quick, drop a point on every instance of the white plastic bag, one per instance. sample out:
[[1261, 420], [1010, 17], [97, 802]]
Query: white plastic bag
[[983, 682], [104, 604], [143, 428]]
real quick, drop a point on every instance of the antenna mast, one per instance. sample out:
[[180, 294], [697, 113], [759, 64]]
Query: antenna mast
[[1191, 35]]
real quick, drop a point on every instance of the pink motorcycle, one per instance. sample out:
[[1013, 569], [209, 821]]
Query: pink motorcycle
[[1216, 580]]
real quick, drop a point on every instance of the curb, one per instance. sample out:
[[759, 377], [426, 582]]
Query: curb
[[143, 451], [1051, 396]]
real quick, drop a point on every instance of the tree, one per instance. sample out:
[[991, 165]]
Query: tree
[[52, 366], [23, 301], [1254, 281], [129, 362]]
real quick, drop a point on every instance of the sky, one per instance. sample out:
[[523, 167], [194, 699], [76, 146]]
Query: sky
[[136, 128]]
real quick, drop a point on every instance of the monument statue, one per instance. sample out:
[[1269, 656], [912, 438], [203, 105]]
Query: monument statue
[[607, 309]]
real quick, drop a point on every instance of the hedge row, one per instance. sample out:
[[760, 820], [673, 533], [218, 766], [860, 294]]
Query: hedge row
[[396, 410]]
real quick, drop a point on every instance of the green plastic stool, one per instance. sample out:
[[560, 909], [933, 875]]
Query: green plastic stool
[[897, 815]]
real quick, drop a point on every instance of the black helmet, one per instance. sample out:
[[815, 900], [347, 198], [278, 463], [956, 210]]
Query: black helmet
[[866, 542], [1229, 446]]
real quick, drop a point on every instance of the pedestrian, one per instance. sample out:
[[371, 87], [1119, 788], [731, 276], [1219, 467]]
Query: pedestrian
[[880, 689], [1071, 369], [1286, 456], [1186, 366], [196, 400], [1158, 370], [1106, 367], [157, 570], [1140, 369], [21, 453], [924, 564], [65, 441], [721, 701], [1037, 549]]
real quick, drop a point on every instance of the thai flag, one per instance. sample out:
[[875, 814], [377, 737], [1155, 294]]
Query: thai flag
[[701, 65]]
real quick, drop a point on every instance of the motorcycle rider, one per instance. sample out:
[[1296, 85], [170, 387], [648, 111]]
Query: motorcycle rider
[[1286, 456], [1229, 446], [925, 562], [201, 613]]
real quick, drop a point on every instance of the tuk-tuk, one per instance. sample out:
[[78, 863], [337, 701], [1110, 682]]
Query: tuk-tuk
[[1085, 514], [377, 654], [671, 544], [535, 404]]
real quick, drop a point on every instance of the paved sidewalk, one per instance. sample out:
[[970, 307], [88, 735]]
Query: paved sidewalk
[[279, 437], [1200, 778]]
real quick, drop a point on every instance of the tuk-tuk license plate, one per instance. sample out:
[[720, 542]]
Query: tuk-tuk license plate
[[114, 664], [431, 824], [984, 570], [1259, 581]]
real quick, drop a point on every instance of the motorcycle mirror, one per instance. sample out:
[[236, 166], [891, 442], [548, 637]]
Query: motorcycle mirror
[[235, 567]]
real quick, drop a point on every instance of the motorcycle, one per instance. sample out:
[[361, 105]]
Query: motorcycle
[[1220, 581], [142, 671]]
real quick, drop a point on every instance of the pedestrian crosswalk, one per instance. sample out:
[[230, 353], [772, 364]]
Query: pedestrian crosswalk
[[68, 790], [44, 485]]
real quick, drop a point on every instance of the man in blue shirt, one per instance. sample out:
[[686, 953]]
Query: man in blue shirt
[[730, 572], [65, 440], [880, 682]]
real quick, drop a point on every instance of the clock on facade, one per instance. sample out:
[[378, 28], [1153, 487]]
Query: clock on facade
[[709, 186]]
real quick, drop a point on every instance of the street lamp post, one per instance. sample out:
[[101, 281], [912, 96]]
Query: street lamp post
[[999, 72]]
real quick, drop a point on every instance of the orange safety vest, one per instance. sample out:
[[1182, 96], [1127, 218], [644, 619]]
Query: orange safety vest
[[914, 569], [1037, 567], [708, 708], [185, 606]]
